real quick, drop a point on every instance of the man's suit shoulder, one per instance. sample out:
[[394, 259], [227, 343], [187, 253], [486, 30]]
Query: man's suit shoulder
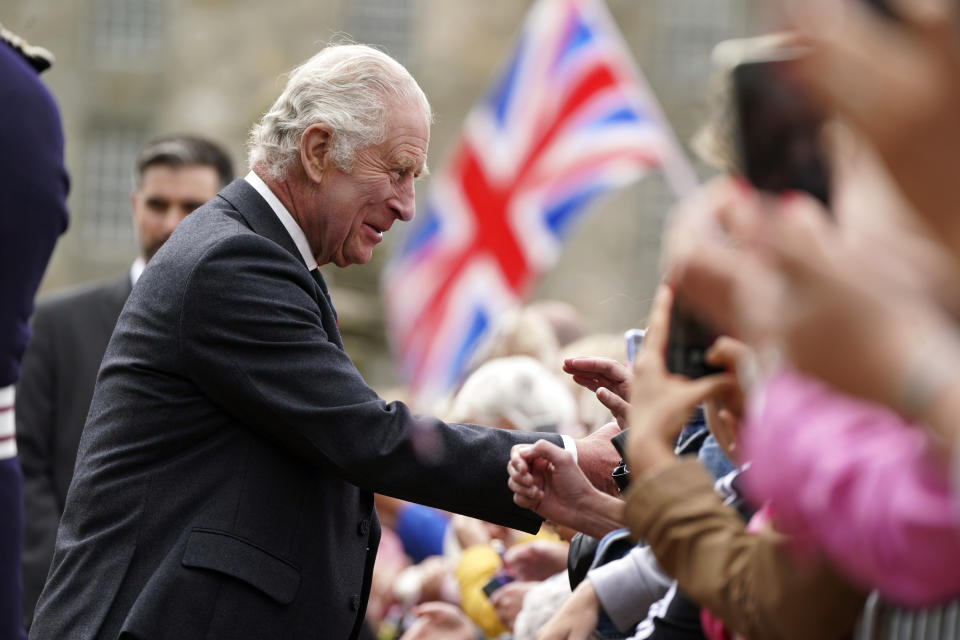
[[217, 231], [83, 296]]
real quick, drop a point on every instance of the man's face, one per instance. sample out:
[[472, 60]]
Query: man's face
[[165, 196], [351, 211]]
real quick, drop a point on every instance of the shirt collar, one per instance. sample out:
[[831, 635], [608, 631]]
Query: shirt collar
[[296, 233], [136, 269]]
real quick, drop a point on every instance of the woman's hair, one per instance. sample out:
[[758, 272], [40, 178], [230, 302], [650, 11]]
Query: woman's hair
[[515, 392], [716, 141]]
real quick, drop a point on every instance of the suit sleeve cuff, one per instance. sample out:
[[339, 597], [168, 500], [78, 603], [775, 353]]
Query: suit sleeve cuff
[[570, 445]]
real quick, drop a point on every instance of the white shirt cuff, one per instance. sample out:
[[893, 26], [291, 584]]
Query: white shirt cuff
[[570, 445]]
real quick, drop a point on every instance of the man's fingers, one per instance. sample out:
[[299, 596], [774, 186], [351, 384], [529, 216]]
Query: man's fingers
[[617, 405], [657, 333], [726, 352], [431, 609], [525, 502], [795, 241], [524, 479], [605, 433], [517, 460], [586, 381], [547, 451], [597, 368], [530, 491], [729, 420], [708, 386], [708, 282]]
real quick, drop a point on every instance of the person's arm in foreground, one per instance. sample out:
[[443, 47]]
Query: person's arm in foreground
[[858, 481], [868, 487], [751, 582]]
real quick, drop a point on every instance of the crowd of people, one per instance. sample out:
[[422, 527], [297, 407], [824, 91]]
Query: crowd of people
[[201, 459]]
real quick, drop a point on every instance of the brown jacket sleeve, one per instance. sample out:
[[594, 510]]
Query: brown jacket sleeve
[[750, 581]]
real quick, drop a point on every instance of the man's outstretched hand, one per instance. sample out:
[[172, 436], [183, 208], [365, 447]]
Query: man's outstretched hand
[[608, 379], [545, 479], [597, 458]]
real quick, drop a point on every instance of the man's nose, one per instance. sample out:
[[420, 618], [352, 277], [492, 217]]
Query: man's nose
[[171, 219], [405, 204]]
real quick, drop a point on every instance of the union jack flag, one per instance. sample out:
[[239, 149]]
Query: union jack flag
[[569, 117]]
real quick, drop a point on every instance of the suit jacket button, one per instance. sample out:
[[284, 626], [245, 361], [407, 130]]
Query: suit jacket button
[[364, 527], [355, 602]]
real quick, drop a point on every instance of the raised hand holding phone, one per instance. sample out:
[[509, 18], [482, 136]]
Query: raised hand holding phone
[[661, 401]]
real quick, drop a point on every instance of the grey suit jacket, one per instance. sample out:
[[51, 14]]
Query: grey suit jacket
[[71, 329], [224, 482]]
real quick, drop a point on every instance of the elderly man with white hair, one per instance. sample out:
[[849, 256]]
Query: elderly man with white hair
[[224, 483]]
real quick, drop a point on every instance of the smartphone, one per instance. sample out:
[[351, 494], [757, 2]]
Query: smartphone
[[687, 344], [634, 340], [779, 129], [500, 579]]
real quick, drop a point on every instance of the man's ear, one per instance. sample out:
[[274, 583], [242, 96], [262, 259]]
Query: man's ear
[[314, 147]]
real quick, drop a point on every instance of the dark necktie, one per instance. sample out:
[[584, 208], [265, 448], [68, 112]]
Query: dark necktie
[[323, 287]]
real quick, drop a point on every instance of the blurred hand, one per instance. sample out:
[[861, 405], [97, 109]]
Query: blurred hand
[[537, 560], [607, 378], [896, 81], [469, 531], [832, 309], [440, 621], [840, 319], [577, 618], [507, 601], [433, 571], [732, 355], [545, 479], [661, 401], [708, 267]]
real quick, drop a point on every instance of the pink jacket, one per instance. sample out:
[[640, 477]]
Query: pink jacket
[[857, 481]]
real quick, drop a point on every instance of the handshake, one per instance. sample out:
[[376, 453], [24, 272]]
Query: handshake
[[580, 492]]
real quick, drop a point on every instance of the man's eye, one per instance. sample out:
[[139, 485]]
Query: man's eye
[[157, 205], [401, 174]]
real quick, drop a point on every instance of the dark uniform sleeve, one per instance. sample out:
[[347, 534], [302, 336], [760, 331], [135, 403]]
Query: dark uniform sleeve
[[33, 214]]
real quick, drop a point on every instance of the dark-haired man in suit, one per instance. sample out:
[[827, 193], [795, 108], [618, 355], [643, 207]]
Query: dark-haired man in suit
[[174, 175], [225, 478]]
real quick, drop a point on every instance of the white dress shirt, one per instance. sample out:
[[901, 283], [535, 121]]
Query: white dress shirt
[[296, 233]]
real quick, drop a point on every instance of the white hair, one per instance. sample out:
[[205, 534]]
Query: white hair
[[348, 87], [517, 392]]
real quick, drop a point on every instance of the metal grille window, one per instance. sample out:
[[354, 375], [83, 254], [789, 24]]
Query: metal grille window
[[109, 158], [384, 23], [687, 31], [126, 31]]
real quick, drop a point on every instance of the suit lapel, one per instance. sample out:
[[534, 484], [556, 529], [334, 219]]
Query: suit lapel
[[263, 221]]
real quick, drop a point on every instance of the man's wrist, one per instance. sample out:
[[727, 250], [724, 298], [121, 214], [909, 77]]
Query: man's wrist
[[602, 514]]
